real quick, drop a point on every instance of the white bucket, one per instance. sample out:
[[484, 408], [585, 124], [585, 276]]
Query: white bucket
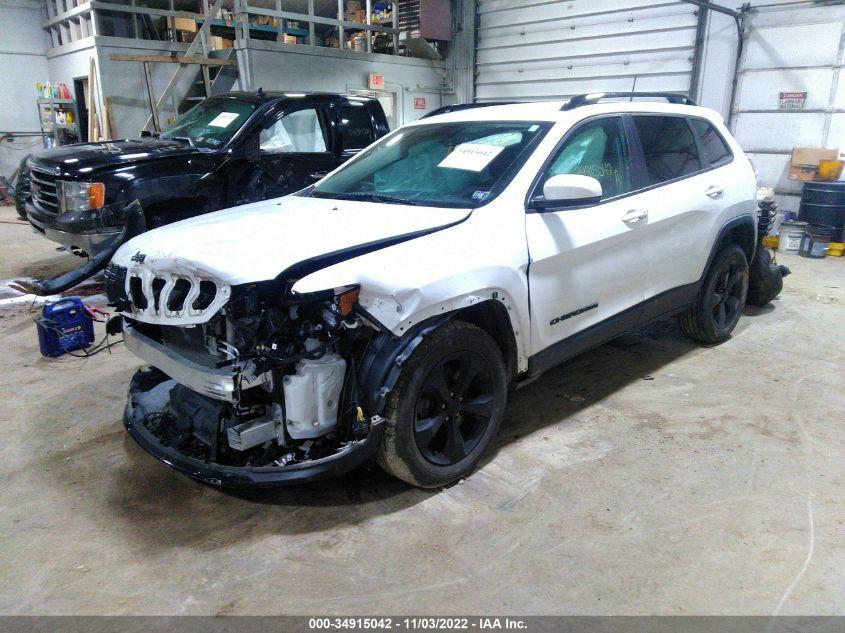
[[790, 236]]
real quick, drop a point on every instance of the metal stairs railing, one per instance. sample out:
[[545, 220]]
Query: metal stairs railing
[[206, 78], [221, 79]]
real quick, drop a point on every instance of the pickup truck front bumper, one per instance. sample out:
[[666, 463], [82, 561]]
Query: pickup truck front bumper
[[133, 217], [72, 232]]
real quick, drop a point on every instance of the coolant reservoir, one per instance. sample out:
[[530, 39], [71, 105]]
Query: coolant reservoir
[[312, 395]]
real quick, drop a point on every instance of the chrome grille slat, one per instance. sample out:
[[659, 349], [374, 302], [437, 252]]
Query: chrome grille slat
[[47, 190], [46, 183]]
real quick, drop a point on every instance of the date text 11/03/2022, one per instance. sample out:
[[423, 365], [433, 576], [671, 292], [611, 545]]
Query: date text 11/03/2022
[[486, 623]]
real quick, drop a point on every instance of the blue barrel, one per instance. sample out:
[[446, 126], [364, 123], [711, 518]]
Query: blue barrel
[[823, 203]]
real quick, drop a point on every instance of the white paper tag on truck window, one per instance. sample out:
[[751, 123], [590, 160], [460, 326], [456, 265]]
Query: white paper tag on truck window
[[224, 119], [471, 156]]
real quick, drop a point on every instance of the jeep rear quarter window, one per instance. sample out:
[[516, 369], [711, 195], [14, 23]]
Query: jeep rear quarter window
[[716, 151], [356, 126], [668, 146]]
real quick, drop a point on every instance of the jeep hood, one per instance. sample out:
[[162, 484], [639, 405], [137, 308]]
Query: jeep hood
[[296, 234]]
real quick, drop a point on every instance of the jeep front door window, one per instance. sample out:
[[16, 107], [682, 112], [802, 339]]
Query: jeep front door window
[[597, 150]]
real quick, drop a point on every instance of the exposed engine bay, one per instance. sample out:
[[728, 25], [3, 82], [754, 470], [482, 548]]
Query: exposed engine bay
[[270, 380]]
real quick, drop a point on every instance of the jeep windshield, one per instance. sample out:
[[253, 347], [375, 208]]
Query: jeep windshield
[[464, 164], [212, 122]]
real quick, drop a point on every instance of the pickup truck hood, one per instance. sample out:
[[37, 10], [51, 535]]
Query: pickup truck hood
[[81, 158], [259, 241]]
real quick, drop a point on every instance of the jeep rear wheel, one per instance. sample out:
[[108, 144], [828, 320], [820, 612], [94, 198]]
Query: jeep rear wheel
[[445, 408], [717, 309]]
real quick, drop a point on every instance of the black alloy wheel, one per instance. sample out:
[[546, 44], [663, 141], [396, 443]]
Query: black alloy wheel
[[446, 406], [716, 310], [453, 409], [727, 297]]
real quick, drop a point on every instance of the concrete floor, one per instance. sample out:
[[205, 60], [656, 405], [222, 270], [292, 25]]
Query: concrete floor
[[649, 476]]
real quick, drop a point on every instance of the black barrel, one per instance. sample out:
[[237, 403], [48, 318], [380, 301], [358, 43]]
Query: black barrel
[[824, 203]]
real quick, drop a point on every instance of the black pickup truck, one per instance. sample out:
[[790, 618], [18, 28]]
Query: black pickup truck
[[231, 149]]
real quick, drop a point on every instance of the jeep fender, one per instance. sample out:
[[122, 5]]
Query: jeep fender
[[399, 311], [741, 230], [384, 359]]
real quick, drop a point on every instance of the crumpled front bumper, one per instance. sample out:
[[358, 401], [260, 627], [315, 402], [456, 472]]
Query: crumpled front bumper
[[347, 458]]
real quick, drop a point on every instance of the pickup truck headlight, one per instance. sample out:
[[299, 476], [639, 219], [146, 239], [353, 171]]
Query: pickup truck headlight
[[81, 196]]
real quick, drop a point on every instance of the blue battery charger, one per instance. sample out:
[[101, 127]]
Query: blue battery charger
[[64, 326]]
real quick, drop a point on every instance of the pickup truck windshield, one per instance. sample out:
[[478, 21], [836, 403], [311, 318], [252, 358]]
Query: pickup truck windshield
[[211, 123], [452, 164]]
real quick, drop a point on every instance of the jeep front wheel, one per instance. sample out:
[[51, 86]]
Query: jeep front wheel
[[446, 406]]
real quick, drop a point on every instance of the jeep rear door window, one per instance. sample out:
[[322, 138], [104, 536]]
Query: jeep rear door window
[[716, 151], [668, 146], [211, 123], [597, 149], [356, 126], [295, 133], [461, 164]]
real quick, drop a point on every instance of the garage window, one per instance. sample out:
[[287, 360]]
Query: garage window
[[668, 146]]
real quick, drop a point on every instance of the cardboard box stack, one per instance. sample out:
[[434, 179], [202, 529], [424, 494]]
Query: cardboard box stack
[[804, 164]]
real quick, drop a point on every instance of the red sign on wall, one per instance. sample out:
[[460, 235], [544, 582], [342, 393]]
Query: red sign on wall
[[375, 81], [419, 103]]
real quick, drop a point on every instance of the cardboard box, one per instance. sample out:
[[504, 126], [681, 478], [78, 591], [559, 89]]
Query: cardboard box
[[804, 163], [218, 43], [184, 24]]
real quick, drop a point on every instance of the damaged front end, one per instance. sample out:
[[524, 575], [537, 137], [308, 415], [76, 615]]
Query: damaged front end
[[263, 392]]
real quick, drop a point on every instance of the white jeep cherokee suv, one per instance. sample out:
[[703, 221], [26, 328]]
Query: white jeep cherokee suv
[[383, 313]]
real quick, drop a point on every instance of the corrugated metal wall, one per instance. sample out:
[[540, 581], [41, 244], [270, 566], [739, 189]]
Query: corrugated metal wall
[[790, 49], [535, 50]]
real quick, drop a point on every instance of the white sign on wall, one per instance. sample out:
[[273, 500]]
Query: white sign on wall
[[792, 100]]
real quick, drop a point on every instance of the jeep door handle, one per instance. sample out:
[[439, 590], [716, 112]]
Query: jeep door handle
[[319, 175], [635, 215], [714, 192]]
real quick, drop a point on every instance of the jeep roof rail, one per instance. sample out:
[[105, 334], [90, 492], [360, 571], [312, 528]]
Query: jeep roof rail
[[457, 107], [594, 97]]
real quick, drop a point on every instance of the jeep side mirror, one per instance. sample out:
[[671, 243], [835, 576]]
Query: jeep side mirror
[[566, 190]]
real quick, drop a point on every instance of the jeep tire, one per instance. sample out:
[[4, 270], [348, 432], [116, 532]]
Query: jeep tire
[[445, 408], [718, 306]]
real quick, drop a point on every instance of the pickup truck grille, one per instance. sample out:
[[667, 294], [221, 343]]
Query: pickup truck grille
[[44, 190]]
